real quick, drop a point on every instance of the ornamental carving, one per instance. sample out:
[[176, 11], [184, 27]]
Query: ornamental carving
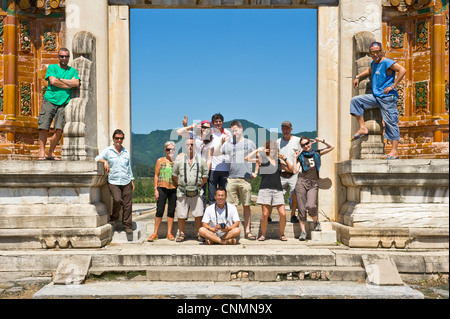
[[49, 39], [25, 98], [1, 97], [25, 37], [1, 33], [422, 35], [401, 99], [446, 96], [405, 5], [446, 32], [45, 6], [421, 89], [397, 35]]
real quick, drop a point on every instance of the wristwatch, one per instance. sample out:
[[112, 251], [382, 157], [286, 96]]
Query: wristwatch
[[356, 76]]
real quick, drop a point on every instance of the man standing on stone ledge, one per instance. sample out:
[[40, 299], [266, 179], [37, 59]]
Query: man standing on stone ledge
[[382, 74], [116, 161], [61, 80]]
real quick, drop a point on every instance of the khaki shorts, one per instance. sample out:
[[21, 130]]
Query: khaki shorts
[[184, 203], [291, 181], [271, 197], [239, 189], [50, 111]]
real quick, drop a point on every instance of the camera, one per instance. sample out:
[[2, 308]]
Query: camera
[[223, 225]]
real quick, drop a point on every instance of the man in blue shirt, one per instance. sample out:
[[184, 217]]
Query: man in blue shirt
[[116, 161], [382, 74]]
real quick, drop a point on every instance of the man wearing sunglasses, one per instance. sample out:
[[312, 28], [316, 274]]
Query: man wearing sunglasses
[[61, 80], [382, 73]]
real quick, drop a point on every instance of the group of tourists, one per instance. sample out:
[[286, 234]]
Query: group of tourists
[[222, 161]]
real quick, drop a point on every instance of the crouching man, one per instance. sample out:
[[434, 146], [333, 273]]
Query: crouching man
[[220, 223]]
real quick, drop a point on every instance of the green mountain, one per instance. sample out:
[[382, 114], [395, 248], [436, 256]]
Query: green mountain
[[147, 148]]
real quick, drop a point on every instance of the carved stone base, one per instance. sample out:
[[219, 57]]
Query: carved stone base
[[401, 238], [50, 204], [394, 203]]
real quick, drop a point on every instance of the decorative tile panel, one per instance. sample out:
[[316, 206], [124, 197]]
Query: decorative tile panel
[[397, 36], [422, 35], [25, 98], [25, 37], [421, 89]]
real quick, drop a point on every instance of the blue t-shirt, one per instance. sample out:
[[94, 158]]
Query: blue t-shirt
[[380, 78]]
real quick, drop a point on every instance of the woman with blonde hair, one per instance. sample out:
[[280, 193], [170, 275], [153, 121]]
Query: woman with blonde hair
[[165, 191]]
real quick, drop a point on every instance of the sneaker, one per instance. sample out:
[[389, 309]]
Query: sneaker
[[294, 219], [317, 226], [302, 236]]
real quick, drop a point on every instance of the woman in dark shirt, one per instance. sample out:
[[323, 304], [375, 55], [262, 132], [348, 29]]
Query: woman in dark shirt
[[270, 192]]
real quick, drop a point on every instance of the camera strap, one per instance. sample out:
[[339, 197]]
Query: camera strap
[[226, 212]]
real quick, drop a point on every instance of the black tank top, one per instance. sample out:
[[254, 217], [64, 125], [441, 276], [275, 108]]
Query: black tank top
[[270, 174]]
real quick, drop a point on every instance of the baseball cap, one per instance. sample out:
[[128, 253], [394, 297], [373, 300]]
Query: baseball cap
[[287, 123]]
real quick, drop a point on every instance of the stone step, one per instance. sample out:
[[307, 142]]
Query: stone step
[[185, 254], [235, 290], [292, 230], [235, 273]]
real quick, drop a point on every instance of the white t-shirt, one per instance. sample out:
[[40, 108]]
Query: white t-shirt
[[214, 215], [221, 162], [288, 148], [201, 148]]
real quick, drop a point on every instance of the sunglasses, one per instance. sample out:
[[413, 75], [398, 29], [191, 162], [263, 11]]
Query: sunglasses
[[375, 52], [206, 127], [304, 144], [118, 138], [169, 149], [64, 56]]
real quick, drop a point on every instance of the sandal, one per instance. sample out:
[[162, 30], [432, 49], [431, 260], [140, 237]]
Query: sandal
[[231, 241], [42, 158], [152, 238], [250, 236], [283, 238], [262, 238], [181, 238], [170, 237]]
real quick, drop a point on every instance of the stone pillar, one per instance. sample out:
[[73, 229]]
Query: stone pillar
[[438, 71], [119, 75], [92, 16], [328, 104], [80, 131], [355, 16], [371, 146]]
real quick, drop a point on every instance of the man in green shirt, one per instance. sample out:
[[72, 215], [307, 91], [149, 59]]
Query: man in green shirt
[[61, 80]]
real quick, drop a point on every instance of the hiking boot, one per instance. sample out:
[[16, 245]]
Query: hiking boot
[[302, 236], [317, 226]]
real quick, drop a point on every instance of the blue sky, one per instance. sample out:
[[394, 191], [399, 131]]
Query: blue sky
[[255, 64]]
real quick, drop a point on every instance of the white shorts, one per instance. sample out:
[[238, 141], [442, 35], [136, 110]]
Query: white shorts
[[184, 203], [271, 197]]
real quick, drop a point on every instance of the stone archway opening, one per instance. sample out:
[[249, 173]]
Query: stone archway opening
[[241, 63]]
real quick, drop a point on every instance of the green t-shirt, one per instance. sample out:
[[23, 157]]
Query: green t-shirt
[[54, 94]]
